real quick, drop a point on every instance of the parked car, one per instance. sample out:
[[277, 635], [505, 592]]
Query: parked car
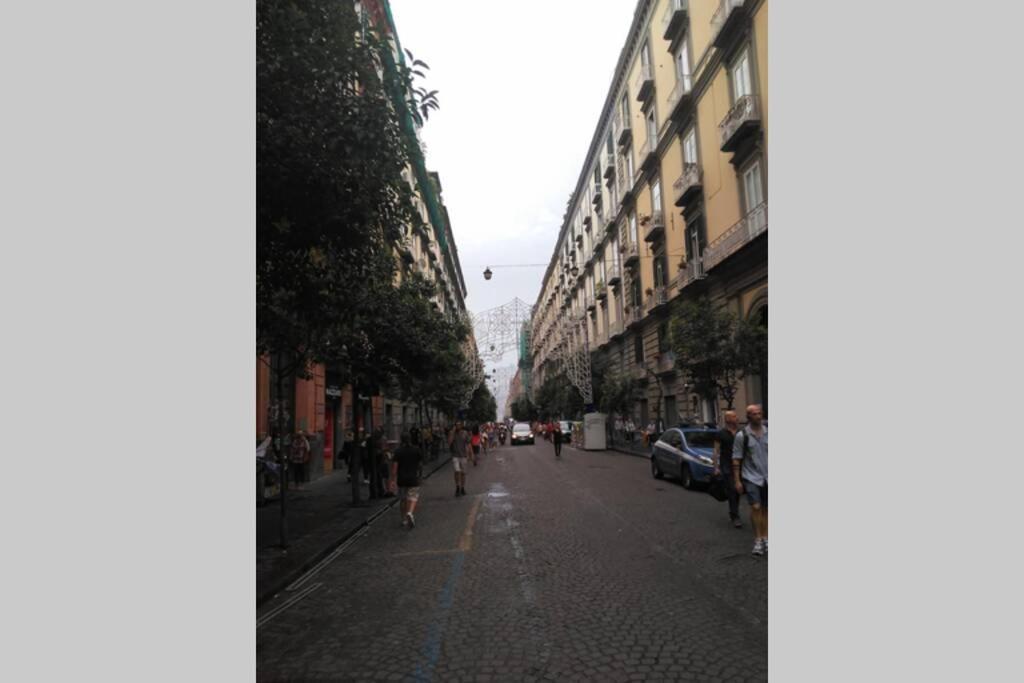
[[522, 433], [686, 453]]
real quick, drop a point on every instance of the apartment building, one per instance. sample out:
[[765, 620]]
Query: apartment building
[[671, 202], [323, 406]]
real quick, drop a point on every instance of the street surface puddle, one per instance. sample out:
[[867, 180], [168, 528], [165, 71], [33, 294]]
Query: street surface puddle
[[498, 490]]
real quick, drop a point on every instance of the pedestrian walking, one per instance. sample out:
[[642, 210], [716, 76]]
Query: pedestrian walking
[[475, 441], [409, 461], [724, 442], [299, 459], [750, 473], [458, 442], [556, 438]]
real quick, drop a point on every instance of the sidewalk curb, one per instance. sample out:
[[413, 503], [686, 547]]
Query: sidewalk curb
[[633, 453], [293, 575]]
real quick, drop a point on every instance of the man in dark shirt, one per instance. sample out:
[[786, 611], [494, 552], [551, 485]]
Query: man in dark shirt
[[409, 459], [724, 441]]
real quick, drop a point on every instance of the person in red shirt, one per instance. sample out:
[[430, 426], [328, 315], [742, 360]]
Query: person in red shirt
[[475, 441]]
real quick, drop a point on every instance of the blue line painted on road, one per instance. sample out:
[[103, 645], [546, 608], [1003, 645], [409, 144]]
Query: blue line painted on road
[[432, 648]]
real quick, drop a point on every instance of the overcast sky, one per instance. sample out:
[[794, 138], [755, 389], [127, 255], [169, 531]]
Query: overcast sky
[[521, 85]]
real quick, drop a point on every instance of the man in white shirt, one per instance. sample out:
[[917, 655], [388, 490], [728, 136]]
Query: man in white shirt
[[750, 473]]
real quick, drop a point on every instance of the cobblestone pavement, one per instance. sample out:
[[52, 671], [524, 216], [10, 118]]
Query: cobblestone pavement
[[583, 568]]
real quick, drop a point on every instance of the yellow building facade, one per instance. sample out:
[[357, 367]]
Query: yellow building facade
[[671, 203]]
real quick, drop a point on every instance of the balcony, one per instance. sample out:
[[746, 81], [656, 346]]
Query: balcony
[[674, 19], [688, 184], [579, 237], [649, 151], [615, 329], [644, 83], [725, 22], [632, 315], [600, 224], [630, 254], [666, 363], [624, 126], [743, 232], [693, 271], [657, 300], [742, 120], [609, 225], [614, 274], [625, 181], [681, 94], [655, 227], [591, 304], [602, 292], [609, 166]]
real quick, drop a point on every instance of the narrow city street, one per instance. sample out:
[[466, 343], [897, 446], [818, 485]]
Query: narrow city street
[[578, 568]]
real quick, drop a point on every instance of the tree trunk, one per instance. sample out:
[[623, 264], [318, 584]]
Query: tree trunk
[[356, 456], [282, 460]]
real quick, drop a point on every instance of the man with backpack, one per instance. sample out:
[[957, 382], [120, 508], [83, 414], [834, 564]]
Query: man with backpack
[[750, 473], [725, 442]]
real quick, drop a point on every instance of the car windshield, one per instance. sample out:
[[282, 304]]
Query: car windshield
[[700, 439], [521, 428]]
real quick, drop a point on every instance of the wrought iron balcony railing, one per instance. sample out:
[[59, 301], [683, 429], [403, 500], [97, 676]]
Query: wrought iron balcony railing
[[688, 184], [743, 118], [644, 83], [742, 232], [725, 21], [674, 18], [655, 228], [624, 126], [630, 253], [680, 93], [614, 273]]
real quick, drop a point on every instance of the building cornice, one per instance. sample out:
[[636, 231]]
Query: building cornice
[[640, 20]]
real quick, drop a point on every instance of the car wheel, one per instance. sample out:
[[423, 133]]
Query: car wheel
[[685, 477], [655, 470]]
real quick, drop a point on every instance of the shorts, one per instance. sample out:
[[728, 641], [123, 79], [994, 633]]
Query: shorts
[[459, 463], [476, 449], [410, 493], [756, 494]]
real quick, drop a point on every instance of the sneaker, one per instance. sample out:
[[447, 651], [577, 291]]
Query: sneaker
[[410, 519], [758, 548], [737, 523], [458, 492]]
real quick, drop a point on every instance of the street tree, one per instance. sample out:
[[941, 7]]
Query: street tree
[[331, 195], [715, 349]]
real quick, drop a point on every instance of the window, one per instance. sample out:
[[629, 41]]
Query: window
[[629, 165], [741, 85], [690, 146], [652, 128], [638, 349], [636, 299], [682, 61], [645, 57], [752, 187], [695, 239], [600, 262], [656, 195], [663, 338], [632, 229], [624, 109], [609, 147], [660, 270]]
